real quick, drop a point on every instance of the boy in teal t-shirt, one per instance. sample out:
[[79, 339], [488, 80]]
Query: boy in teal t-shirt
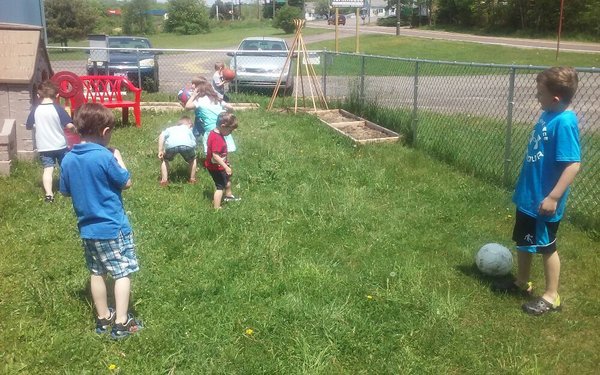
[[550, 166]]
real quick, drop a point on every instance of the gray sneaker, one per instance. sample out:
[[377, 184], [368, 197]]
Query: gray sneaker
[[231, 198], [103, 325], [120, 331]]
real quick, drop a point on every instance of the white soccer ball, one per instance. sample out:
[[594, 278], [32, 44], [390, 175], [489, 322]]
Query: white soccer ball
[[494, 259]]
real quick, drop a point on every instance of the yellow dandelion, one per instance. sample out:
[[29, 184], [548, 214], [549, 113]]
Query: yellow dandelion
[[249, 331], [112, 366], [369, 297]]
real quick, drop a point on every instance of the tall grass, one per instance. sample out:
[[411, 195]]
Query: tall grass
[[339, 259]]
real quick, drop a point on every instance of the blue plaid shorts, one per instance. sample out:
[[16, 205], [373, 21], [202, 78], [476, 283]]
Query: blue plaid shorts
[[115, 257]]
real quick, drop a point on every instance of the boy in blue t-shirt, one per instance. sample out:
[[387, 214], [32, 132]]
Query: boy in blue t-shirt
[[94, 176], [49, 120], [550, 166]]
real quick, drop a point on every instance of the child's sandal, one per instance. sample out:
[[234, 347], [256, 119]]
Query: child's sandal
[[541, 306]]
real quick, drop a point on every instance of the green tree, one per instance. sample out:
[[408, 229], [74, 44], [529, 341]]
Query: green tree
[[455, 12], [136, 19], [322, 7], [187, 17], [68, 20], [284, 18]]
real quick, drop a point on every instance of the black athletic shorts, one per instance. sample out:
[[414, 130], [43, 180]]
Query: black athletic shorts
[[534, 235]]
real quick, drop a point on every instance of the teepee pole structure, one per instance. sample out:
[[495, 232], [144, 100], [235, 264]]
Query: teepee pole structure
[[298, 49]]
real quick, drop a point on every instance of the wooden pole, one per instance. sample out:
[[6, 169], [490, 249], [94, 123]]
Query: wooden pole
[[357, 15], [337, 44], [562, 3]]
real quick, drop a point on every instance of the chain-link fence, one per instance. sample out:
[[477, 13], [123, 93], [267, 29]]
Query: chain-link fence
[[475, 116]]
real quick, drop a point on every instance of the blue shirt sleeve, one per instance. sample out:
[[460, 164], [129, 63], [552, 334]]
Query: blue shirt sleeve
[[117, 175], [567, 140], [30, 119], [64, 183], [62, 115]]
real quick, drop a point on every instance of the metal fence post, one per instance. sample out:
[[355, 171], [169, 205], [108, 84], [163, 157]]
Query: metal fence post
[[509, 119], [415, 119], [139, 69], [361, 93], [235, 83], [324, 59]]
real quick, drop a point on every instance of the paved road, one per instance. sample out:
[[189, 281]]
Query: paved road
[[350, 30]]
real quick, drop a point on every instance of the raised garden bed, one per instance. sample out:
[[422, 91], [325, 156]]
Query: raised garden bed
[[356, 128]]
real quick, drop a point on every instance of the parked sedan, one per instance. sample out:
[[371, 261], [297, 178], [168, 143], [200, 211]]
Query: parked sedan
[[341, 20], [259, 62]]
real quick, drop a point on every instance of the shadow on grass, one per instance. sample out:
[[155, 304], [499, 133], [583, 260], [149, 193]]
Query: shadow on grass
[[473, 272]]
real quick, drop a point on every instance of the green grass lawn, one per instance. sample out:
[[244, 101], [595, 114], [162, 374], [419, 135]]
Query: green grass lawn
[[382, 45], [219, 38], [339, 259], [431, 49]]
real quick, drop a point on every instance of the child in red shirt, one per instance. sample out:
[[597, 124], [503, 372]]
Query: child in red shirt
[[216, 159]]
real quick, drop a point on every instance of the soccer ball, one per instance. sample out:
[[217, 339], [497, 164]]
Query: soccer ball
[[494, 259], [184, 95]]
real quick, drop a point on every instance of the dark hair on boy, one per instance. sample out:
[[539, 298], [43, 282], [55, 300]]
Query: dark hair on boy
[[47, 89], [227, 120], [92, 118], [560, 81]]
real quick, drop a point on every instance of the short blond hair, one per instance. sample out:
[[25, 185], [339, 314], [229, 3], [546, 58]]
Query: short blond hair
[[560, 81]]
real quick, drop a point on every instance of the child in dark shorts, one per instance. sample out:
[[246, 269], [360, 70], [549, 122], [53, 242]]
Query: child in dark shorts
[[94, 176], [216, 161], [49, 120], [174, 140], [550, 166]]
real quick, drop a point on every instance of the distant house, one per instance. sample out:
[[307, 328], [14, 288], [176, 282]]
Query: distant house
[[25, 64], [379, 8]]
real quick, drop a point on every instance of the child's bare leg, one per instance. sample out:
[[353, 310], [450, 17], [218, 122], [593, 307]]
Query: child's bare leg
[[218, 195], [98, 288], [228, 192], [122, 289], [524, 270], [552, 275], [47, 180], [164, 171], [193, 165]]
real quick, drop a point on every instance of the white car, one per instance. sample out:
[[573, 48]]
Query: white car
[[259, 62]]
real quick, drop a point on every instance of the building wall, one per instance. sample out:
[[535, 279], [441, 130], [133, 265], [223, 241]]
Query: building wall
[[15, 103]]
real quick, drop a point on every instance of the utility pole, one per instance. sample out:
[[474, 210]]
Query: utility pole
[[560, 19], [398, 7]]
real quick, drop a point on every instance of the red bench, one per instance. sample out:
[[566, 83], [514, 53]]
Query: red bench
[[106, 90]]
